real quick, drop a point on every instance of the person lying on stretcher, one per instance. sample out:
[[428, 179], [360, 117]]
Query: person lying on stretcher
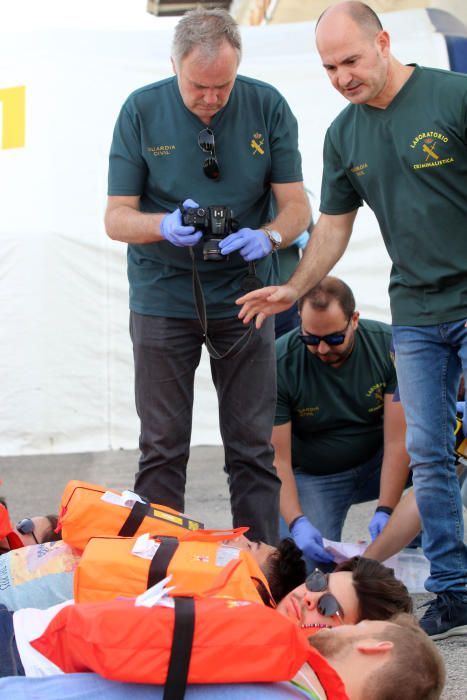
[[35, 530]]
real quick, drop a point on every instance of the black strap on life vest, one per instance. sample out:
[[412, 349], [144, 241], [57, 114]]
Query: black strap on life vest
[[134, 520], [180, 655], [140, 511], [264, 593], [161, 560]]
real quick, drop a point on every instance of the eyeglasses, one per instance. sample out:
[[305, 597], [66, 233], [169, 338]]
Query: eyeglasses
[[26, 527], [331, 339], [327, 605], [207, 144]]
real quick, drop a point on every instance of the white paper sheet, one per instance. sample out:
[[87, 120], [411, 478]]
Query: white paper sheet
[[410, 565]]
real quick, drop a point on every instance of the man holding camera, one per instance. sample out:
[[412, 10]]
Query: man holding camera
[[213, 142]]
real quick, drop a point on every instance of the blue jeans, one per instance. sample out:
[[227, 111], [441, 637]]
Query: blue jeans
[[429, 361], [10, 663], [326, 500]]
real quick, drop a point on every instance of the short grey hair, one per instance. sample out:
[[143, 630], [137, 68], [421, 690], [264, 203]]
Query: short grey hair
[[207, 30]]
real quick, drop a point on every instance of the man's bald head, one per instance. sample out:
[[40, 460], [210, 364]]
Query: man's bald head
[[363, 16], [355, 52]]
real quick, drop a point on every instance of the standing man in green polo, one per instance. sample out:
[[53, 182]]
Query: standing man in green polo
[[401, 145], [205, 137]]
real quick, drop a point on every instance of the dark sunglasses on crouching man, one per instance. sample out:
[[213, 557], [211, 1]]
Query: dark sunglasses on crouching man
[[331, 339]]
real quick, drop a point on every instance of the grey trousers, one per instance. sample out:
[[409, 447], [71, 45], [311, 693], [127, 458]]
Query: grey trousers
[[166, 353]]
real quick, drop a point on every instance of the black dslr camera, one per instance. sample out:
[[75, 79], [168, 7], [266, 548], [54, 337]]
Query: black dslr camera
[[216, 222]]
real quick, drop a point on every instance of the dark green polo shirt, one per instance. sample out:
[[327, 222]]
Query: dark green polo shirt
[[336, 414], [288, 260], [409, 163], [155, 155]]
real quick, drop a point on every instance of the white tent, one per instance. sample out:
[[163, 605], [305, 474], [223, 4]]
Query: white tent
[[66, 364]]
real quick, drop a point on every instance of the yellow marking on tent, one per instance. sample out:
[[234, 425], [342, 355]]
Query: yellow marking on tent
[[14, 116]]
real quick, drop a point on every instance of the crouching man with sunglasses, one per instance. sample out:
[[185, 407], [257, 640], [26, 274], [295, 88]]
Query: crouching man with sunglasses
[[205, 137], [339, 437]]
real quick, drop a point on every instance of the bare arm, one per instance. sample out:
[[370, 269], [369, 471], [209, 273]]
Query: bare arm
[[395, 467], [327, 245], [294, 211], [282, 443], [403, 525], [125, 222], [328, 242]]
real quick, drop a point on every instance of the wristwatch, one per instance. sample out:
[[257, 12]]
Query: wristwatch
[[274, 236]]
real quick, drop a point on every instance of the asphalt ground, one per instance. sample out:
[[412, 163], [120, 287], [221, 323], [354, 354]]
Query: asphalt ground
[[33, 485]]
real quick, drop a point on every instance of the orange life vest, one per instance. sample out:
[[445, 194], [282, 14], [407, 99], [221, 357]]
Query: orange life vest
[[84, 514], [196, 641], [230, 641], [108, 568]]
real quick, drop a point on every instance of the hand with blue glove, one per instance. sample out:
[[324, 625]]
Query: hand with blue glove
[[252, 244], [378, 523], [172, 229], [309, 539]]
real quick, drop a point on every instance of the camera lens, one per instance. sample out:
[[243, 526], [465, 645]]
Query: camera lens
[[200, 211], [211, 250]]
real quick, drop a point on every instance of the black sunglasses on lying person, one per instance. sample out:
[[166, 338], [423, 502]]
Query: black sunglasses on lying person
[[327, 604], [26, 527]]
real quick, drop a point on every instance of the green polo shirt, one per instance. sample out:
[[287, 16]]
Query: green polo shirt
[[155, 155], [288, 260], [409, 163], [336, 414]]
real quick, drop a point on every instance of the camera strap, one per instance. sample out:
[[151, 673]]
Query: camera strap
[[200, 304]]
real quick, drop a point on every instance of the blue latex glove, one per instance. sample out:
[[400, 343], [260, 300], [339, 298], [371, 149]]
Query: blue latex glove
[[173, 231], [302, 240], [309, 539], [251, 243], [377, 524]]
